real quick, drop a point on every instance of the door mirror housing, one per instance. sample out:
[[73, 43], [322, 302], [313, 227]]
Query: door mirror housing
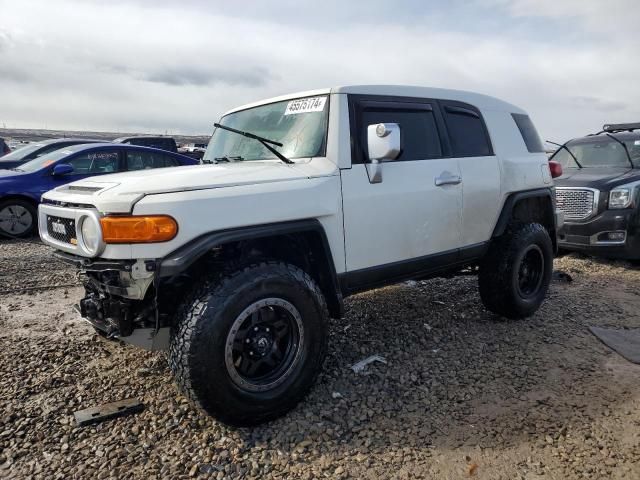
[[62, 169], [383, 145], [383, 141]]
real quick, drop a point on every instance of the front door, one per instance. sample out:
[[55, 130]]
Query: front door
[[86, 164], [411, 217]]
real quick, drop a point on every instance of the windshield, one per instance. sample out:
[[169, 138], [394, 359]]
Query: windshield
[[300, 125], [44, 161], [21, 152], [599, 151]]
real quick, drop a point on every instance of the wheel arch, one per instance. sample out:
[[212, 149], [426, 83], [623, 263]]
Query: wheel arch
[[532, 205], [303, 243], [20, 196]]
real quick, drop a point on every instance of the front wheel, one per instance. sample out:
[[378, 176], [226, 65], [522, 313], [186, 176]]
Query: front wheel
[[18, 218], [516, 271], [248, 345]]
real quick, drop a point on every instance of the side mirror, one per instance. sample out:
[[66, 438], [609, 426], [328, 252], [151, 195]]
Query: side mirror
[[62, 169], [383, 144]]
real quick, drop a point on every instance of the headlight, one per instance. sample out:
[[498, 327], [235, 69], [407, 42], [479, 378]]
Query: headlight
[[620, 197], [90, 235]]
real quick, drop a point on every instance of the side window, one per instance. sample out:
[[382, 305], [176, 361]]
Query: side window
[[168, 161], [418, 130], [94, 163], [467, 132], [140, 160], [528, 132]]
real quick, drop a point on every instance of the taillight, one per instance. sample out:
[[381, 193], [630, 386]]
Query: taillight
[[555, 168]]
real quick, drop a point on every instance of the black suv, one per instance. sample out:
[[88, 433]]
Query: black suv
[[163, 143], [599, 192]]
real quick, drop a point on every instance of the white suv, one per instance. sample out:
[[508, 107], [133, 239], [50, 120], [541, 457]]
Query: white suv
[[237, 265]]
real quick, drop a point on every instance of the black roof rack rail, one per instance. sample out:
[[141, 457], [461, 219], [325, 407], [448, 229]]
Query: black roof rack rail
[[620, 127]]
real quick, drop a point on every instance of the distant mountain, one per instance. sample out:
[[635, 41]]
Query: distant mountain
[[16, 135]]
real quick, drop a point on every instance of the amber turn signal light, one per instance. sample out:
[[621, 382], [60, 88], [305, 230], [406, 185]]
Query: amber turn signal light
[[138, 229]]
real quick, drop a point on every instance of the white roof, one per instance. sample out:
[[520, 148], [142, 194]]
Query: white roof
[[483, 102]]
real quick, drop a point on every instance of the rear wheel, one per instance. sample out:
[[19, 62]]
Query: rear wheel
[[18, 218], [249, 345], [515, 274]]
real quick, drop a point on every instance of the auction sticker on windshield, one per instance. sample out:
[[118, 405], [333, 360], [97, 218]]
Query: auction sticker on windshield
[[305, 105]]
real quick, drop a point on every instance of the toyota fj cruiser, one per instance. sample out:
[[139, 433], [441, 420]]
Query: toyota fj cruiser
[[236, 266]]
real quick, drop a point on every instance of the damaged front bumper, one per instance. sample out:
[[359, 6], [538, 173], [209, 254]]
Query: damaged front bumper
[[121, 299]]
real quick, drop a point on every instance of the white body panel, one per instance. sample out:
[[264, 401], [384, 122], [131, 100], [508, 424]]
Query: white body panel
[[202, 211], [481, 198], [405, 216]]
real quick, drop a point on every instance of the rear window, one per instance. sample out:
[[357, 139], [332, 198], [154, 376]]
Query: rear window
[[161, 143], [528, 132], [467, 132]]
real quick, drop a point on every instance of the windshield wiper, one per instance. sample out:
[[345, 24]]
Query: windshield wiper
[[264, 141], [564, 146], [624, 146], [228, 159]]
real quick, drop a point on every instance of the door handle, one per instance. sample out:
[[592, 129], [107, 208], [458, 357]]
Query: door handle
[[447, 179]]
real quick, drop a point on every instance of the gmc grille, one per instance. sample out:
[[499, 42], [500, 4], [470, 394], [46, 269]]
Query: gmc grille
[[577, 203], [62, 229]]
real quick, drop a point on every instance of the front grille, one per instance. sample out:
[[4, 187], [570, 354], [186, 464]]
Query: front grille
[[62, 229], [576, 203]]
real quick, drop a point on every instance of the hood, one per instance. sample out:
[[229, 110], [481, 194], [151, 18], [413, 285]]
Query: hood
[[599, 178], [7, 174], [119, 192]]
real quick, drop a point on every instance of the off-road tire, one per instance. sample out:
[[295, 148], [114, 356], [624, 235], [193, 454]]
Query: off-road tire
[[500, 269], [32, 211], [197, 351]]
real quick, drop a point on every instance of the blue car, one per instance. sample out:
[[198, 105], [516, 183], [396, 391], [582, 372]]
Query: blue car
[[22, 187], [33, 150]]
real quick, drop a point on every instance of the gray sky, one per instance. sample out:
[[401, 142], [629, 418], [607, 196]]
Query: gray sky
[[161, 65]]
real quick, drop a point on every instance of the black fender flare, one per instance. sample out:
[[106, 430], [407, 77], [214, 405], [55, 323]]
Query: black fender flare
[[182, 258], [514, 198]]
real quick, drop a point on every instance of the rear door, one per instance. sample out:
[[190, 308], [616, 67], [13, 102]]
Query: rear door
[[479, 169], [399, 225]]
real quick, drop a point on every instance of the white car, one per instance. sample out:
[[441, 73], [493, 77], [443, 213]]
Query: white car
[[311, 197]]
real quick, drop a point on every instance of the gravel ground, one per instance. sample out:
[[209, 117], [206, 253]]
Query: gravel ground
[[463, 393]]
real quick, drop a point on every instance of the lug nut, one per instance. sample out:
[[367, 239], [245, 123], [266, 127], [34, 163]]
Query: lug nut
[[255, 329]]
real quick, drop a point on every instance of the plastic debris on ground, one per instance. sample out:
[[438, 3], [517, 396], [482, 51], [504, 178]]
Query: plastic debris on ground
[[362, 364]]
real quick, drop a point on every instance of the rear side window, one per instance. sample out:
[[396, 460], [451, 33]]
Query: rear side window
[[467, 132], [529, 132], [419, 134], [146, 160]]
